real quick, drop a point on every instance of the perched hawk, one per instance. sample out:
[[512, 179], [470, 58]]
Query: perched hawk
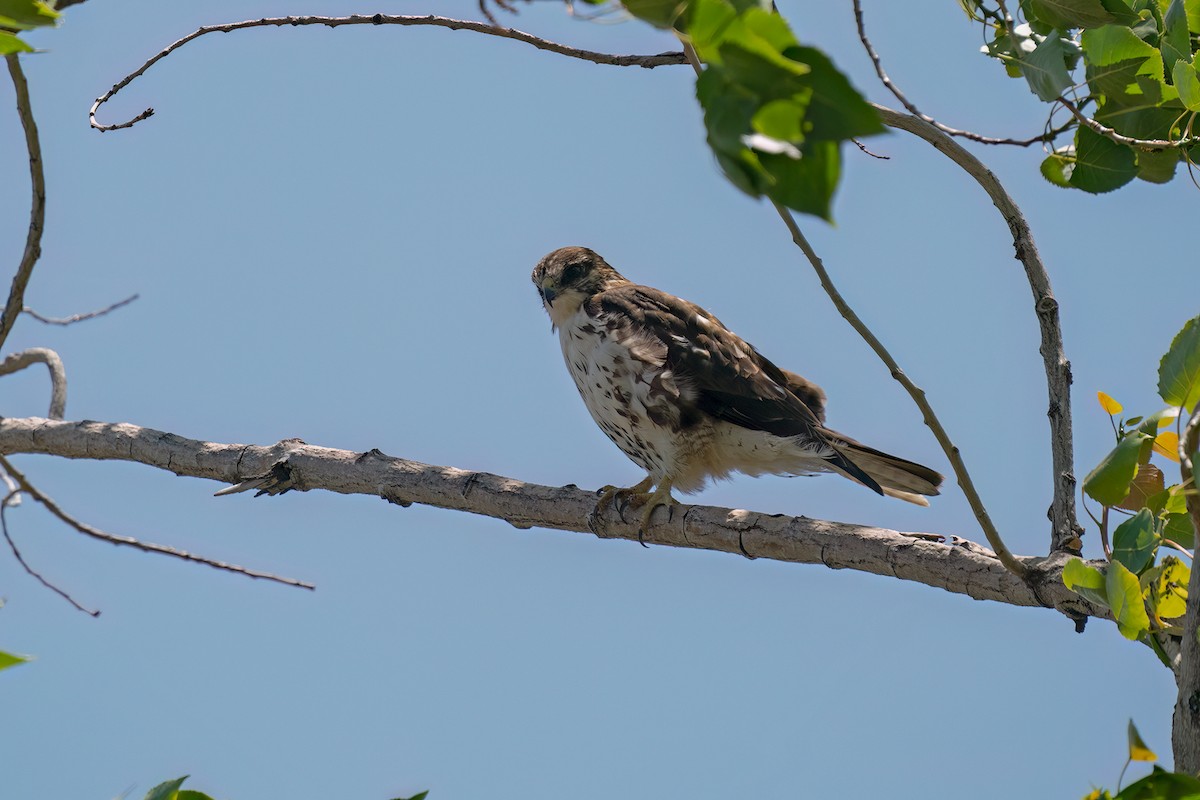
[[687, 399]]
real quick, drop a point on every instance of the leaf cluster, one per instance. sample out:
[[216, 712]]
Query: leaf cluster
[[22, 15], [775, 111], [1158, 785], [1131, 63], [1144, 594]]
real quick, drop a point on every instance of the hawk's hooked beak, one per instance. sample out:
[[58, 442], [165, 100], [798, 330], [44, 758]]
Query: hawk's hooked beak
[[548, 295]]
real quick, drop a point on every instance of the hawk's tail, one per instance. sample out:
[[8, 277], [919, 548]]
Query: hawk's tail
[[897, 477]]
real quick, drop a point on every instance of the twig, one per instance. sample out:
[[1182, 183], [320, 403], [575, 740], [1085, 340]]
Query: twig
[[1047, 136], [863, 148], [37, 211], [1109, 133], [648, 62], [71, 320], [137, 544], [58, 374], [1065, 527], [25, 565]]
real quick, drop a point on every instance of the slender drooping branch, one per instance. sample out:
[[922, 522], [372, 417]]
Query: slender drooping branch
[[1048, 136], [129, 541], [71, 320], [58, 374], [1185, 727], [961, 567], [1109, 133], [915, 392], [37, 211], [660, 60], [1065, 529], [16, 551]]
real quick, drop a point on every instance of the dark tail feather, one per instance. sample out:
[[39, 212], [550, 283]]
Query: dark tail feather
[[887, 474]]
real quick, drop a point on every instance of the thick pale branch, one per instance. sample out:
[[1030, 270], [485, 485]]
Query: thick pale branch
[[1065, 528], [58, 374], [660, 60], [961, 567], [37, 210]]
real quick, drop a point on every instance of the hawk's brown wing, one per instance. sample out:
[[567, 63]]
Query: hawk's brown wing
[[728, 379]]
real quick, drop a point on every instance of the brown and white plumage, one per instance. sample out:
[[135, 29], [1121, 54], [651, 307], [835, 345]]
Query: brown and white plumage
[[689, 400]]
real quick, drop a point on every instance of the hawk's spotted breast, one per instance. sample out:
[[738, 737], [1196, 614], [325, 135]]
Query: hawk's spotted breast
[[687, 399]]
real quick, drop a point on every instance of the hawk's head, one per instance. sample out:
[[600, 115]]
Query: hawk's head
[[569, 276]]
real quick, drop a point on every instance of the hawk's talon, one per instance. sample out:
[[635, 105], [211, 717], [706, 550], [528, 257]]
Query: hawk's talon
[[624, 497]]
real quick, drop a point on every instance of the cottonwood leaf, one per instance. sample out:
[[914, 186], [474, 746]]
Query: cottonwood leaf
[[1125, 599], [1179, 370]]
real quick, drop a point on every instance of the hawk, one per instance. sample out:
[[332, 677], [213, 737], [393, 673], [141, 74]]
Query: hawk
[[688, 399]]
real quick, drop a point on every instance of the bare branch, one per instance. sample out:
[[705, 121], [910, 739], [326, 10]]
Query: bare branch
[[37, 211], [25, 565], [648, 62], [71, 320], [1065, 529], [915, 392], [58, 374], [961, 567], [129, 541], [1109, 133], [1047, 136]]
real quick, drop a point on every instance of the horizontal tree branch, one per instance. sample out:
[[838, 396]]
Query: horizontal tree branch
[[662, 59], [960, 566]]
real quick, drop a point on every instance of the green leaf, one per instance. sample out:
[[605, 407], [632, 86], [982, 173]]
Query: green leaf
[[805, 184], [1120, 11], [1179, 370], [1065, 14], [837, 111], [1187, 83], [165, 790], [1135, 542], [26, 14], [190, 794], [1138, 751], [1115, 58], [1178, 528], [659, 13], [1057, 168], [1162, 785], [1045, 68], [1101, 164], [1125, 599], [1087, 582], [1108, 483], [10, 660], [1174, 43], [9, 43], [1157, 166], [418, 796]]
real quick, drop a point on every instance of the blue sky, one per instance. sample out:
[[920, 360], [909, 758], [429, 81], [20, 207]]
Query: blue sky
[[332, 232]]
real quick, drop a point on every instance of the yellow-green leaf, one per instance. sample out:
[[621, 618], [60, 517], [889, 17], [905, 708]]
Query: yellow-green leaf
[[1138, 751], [1167, 444], [1168, 591], [1109, 405], [1125, 599]]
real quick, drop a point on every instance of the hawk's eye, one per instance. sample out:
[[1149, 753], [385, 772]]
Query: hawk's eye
[[571, 274]]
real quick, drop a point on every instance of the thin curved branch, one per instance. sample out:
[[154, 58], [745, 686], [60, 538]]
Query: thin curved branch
[[663, 59], [1048, 136], [71, 320], [1109, 133], [129, 541], [1065, 529], [4, 504], [917, 393], [37, 210], [58, 374], [960, 567]]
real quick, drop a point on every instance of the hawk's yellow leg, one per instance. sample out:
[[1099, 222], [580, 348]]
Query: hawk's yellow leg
[[637, 496], [610, 493]]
